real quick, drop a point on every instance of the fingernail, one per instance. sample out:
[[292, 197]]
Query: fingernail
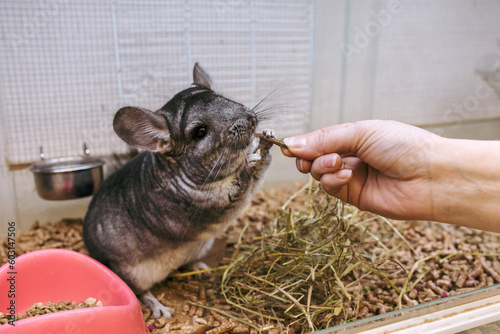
[[330, 161], [295, 142], [298, 163], [344, 174]]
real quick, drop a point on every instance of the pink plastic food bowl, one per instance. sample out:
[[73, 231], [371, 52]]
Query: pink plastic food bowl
[[57, 275]]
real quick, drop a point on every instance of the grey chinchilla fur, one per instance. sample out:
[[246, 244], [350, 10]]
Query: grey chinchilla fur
[[163, 209]]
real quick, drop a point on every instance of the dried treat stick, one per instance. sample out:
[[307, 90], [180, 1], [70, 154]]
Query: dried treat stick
[[275, 141]]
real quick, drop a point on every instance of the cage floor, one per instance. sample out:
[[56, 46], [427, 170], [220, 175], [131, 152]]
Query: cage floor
[[429, 261]]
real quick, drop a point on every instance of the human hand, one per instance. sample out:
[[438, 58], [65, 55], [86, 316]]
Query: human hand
[[380, 166]]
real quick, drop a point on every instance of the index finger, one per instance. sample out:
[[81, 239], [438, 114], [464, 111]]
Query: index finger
[[343, 139]]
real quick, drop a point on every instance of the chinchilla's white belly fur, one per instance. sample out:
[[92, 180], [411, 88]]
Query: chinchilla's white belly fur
[[154, 270]]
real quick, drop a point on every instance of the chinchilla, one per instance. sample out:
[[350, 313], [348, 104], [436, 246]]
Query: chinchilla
[[162, 210]]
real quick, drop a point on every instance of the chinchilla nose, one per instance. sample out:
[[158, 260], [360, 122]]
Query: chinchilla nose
[[242, 125], [246, 121]]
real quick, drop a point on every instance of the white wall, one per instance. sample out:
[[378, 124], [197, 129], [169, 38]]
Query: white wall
[[414, 61]]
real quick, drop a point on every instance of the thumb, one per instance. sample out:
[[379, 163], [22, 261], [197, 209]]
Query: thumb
[[342, 139]]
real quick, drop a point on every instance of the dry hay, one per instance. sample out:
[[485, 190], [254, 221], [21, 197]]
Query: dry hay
[[297, 261]]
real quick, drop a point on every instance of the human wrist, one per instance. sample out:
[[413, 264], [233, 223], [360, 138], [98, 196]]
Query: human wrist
[[465, 183]]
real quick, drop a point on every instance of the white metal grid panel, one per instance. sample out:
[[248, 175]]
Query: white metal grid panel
[[55, 76], [67, 66]]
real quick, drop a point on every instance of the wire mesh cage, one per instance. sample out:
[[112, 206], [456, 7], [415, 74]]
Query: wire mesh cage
[[67, 66]]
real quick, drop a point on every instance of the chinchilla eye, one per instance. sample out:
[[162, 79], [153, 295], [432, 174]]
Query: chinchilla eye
[[200, 132]]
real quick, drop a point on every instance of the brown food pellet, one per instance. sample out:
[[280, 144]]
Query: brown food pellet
[[240, 329], [51, 307], [413, 293], [200, 312], [186, 307], [157, 331], [218, 317], [223, 328], [200, 329], [461, 280], [160, 322]]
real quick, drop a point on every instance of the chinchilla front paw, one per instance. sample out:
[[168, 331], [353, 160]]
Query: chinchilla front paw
[[253, 159], [265, 145], [259, 149], [269, 133]]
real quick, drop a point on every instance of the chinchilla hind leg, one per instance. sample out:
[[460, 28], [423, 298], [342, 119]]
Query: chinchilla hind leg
[[157, 308]]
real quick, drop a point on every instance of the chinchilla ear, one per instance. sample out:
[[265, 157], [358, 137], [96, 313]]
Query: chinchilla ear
[[143, 128], [201, 77]]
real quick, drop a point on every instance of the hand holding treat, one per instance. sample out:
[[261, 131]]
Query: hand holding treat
[[404, 172]]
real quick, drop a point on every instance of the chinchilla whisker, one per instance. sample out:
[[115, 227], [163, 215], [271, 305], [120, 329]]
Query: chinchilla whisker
[[277, 109], [279, 112], [262, 107], [271, 115], [276, 93], [281, 117]]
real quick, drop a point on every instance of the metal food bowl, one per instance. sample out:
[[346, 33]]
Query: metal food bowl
[[67, 178]]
